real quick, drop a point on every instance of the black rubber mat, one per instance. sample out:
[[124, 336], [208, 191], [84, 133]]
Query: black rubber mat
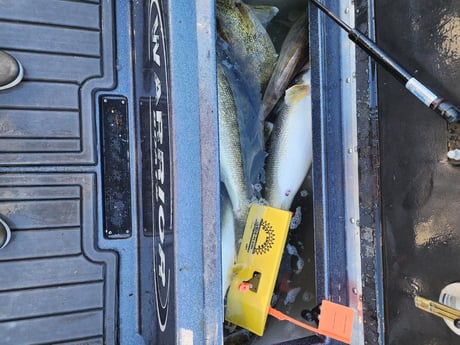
[[54, 286], [66, 49]]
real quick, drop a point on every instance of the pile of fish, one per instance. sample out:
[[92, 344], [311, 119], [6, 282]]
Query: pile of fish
[[264, 105]]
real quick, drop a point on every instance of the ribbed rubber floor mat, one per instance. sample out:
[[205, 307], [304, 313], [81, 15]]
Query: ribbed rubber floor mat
[[55, 287], [66, 50]]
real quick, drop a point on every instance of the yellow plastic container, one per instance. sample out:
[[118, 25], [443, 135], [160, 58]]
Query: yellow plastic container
[[258, 262]]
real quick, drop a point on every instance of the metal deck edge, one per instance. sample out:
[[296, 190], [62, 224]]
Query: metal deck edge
[[194, 292], [351, 181], [210, 176], [328, 168], [369, 166], [335, 164]]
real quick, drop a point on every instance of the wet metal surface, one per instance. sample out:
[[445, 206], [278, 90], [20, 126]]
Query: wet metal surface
[[420, 190], [369, 178]]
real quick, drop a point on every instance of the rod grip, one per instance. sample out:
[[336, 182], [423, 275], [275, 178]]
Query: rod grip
[[379, 55]]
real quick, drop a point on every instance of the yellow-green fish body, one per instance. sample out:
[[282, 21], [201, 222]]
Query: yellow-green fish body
[[294, 54], [253, 50]]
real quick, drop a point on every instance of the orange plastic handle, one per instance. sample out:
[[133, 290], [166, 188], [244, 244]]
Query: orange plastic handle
[[283, 317], [344, 337]]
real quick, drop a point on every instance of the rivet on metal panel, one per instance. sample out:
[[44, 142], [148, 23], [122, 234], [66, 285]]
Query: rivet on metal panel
[[354, 221], [355, 290]]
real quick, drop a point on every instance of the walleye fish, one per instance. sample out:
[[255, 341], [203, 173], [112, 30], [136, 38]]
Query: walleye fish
[[293, 56], [227, 225], [250, 126], [251, 45], [231, 163], [290, 150]]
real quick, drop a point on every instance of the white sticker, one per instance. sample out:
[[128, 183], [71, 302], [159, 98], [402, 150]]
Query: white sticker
[[186, 336], [421, 91]]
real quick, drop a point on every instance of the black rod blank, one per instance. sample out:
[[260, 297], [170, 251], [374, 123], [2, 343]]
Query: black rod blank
[[444, 108]]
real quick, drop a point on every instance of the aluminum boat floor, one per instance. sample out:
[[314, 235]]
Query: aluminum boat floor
[[420, 189]]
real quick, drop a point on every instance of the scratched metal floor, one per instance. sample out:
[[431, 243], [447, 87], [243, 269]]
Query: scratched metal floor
[[420, 191]]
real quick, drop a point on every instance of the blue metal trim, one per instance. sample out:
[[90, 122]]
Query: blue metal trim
[[213, 309], [185, 136], [328, 156], [195, 143], [328, 153]]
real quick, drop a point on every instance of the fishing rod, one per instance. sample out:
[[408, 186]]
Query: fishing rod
[[444, 108]]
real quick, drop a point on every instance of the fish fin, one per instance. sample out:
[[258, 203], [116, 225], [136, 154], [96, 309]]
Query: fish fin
[[227, 2], [295, 93], [302, 77], [268, 129], [265, 14]]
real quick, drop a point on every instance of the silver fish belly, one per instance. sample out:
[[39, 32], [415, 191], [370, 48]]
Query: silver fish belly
[[231, 164], [290, 150], [227, 225]]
